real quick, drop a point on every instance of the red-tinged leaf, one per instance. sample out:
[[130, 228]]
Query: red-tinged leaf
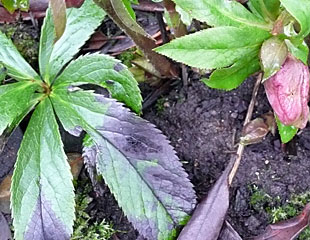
[[228, 233], [6, 17], [287, 230], [76, 163], [37, 10], [5, 232], [59, 16], [207, 220], [74, 3]]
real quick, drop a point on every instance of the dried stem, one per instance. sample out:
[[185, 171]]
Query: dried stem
[[142, 40], [248, 117], [177, 24]]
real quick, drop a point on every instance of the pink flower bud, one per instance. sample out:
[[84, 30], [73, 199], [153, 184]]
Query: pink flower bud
[[288, 92]]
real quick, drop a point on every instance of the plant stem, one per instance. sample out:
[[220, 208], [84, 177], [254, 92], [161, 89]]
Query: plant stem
[[141, 39], [178, 26], [248, 117]]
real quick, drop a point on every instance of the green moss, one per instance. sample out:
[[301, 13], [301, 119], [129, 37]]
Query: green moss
[[25, 39], [290, 209], [84, 229], [127, 56], [259, 200], [160, 105]]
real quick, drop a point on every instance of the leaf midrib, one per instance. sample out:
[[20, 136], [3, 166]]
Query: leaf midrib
[[243, 21], [215, 49]]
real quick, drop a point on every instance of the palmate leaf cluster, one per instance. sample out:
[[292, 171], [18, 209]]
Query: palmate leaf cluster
[[134, 158], [232, 45]]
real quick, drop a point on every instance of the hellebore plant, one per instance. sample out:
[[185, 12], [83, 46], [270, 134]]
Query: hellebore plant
[[134, 158], [268, 36]]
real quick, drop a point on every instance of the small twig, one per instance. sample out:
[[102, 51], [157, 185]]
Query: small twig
[[184, 75], [162, 27], [248, 117]]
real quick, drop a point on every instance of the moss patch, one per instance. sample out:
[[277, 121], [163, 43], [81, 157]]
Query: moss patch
[[84, 228], [26, 40], [277, 212]]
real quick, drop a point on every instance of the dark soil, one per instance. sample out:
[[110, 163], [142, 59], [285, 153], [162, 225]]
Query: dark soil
[[9, 153], [204, 124]]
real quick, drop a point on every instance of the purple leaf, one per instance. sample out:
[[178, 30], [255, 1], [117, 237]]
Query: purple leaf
[[207, 220], [135, 159], [5, 232], [228, 233], [287, 230]]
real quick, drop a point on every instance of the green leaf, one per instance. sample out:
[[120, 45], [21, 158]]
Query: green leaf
[[12, 5], [104, 71], [58, 8], [16, 100], [300, 12], [15, 64], [42, 198], [47, 39], [222, 13], [286, 132], [185, 17], [299, 49], [273, 54], [134, 158], [127, 4], [268, 10], [214, 47], [231, 77], [74, 37]]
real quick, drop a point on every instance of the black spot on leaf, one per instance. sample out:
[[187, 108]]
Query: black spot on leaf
[[109, 82]]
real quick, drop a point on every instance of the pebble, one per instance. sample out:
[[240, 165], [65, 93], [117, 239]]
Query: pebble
[[234, 115]]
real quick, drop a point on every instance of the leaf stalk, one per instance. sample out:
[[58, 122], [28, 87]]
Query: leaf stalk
[[248, 117]]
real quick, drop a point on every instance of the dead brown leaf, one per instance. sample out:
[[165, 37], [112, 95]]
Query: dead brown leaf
[[5, 194], [208, 218], [5, 232], [287, 230], [58, 8]]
